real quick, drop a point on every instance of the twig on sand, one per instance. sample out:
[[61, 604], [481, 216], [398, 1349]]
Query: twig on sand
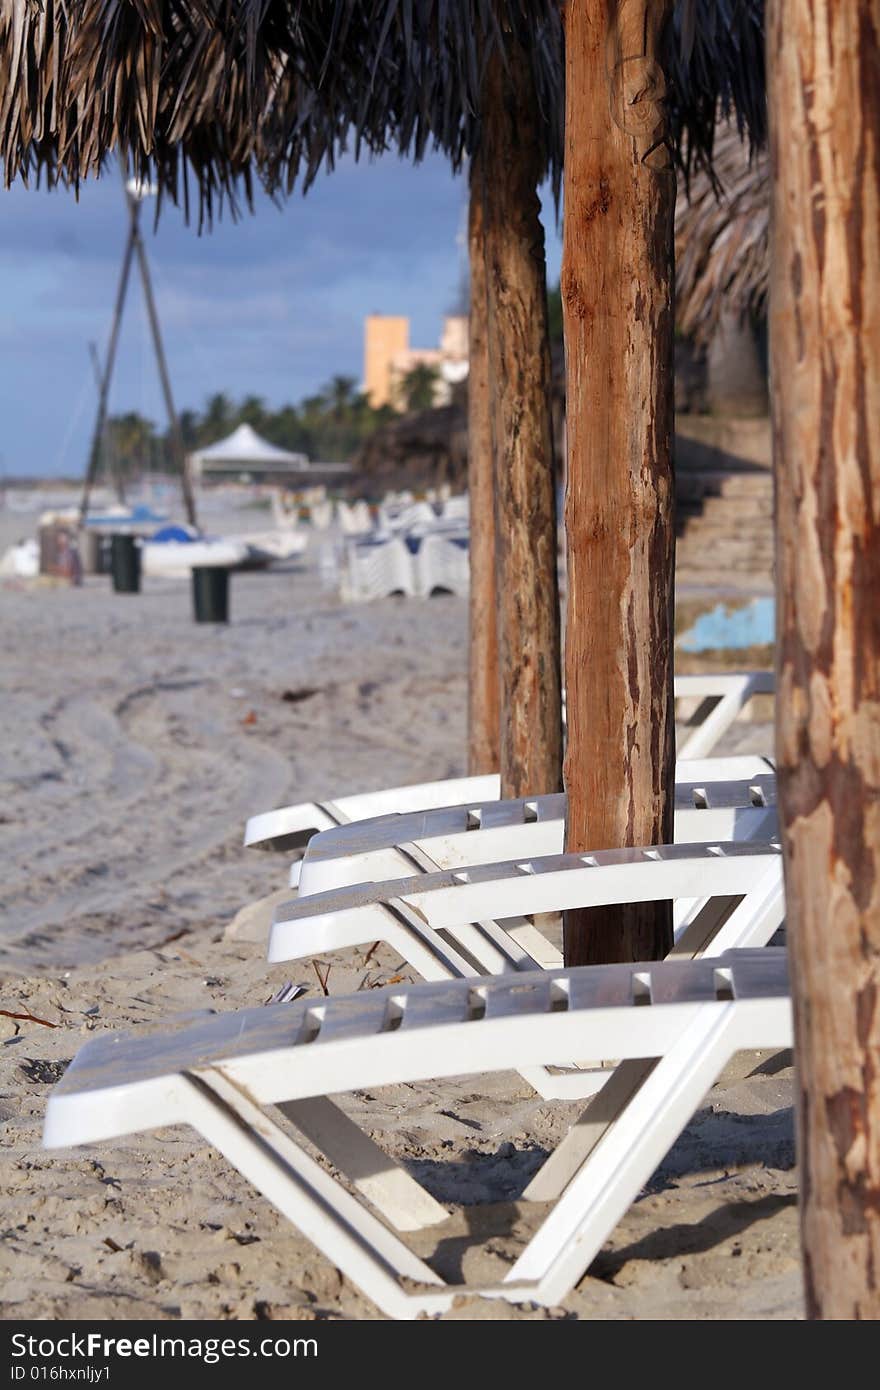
[[28, 1018], [167, 940], [378, 980], [322, 979]]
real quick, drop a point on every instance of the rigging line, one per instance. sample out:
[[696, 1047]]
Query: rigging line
[[121, 290], [176, 440], [72, 423], [184, 332]]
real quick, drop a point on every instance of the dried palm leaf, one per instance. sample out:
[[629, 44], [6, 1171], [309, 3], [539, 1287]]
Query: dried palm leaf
[[722, 239], [232, 91]]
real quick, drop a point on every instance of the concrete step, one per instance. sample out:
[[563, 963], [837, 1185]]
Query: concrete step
[[719, 513], [717, 556], [716, 483], [724, 526], [736, 528], [720, 552]]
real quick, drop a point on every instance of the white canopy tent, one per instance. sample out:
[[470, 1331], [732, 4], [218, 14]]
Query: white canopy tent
[[244, 451]]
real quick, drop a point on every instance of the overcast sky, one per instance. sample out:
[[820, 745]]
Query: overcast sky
[[272, 305]]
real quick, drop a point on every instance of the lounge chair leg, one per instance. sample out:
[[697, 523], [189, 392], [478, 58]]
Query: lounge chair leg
[[717, 722], [358, 1243], [614, 1170], [539, 950], [556, 1173], [703, 927], [381, 1180], [750, 923]]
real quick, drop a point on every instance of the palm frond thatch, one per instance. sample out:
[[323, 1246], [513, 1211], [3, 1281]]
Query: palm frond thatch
[[229, 91], [722, 239], [715, 61]]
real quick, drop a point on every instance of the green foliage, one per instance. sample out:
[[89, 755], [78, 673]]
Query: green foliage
[[418, 387], [554, 313], [328, 427], [131, 446]]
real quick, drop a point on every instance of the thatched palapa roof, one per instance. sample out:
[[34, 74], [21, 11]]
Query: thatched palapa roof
[[226, 91], [722, 243]]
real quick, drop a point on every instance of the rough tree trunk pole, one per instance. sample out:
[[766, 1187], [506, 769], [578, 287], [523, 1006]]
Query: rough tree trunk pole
[[526, 585], [617, 273], [824, 67], [484, 719], [104, 391]]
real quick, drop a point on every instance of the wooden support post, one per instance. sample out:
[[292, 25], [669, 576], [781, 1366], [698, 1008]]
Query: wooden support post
[[104, 392], [824, 84], [619, 201], [484, 718], [526, 584]]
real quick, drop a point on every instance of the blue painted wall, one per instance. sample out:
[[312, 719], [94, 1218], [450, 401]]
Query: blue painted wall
[[723, 627]]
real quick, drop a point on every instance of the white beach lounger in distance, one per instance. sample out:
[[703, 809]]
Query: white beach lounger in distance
[[289, 828], [675, 1024], [455, 837], [722, 698], [477, 921]]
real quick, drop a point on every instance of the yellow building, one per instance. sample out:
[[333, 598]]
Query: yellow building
[[385, 337], [388, 358]]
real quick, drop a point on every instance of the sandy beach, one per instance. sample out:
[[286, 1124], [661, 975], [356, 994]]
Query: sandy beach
[[136, 744]]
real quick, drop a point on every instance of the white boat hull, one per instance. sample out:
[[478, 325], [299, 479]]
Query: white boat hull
[[176, 559]]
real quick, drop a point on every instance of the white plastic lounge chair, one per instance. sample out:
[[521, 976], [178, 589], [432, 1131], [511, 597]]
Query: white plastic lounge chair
[[456, 508], [454, 837], [289, 828], [399, 518], [375, 567], [223, 1074], [354, 519], [477, 921], [723, 698], [440, 562]]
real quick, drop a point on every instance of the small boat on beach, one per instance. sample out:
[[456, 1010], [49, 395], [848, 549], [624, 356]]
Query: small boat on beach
[[174, 551]]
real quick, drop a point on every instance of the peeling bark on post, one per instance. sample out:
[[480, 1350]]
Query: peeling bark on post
[[526, 585], [484, 719], [824, 65], [617, 269]]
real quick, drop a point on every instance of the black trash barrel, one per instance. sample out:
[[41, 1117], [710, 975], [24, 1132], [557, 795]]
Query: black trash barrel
[[125, 564], [211, 593]]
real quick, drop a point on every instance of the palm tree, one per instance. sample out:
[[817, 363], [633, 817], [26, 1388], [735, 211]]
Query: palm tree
[[285, 428], [252, 411], [418, 387], [340, 395], [133, 441], [217, 419], [189, 428]]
